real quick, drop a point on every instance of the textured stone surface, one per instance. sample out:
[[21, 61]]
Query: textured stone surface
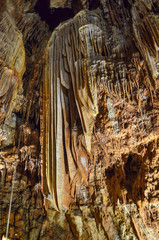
[[57, 4], [84, 102], [12, 64]]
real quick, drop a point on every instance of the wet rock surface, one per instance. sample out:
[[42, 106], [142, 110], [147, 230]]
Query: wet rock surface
[[79, 113]]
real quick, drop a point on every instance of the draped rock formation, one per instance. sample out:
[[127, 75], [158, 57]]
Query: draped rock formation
[[79, 119], [80, 58], [145, 27], [70, 100], [12, 63]]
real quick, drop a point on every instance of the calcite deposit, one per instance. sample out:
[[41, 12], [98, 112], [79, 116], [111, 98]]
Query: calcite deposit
[[79, 114]]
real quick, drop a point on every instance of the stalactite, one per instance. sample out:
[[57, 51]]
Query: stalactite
[[145, 26], [12, 58], [34, 32], [67, 70], [87, 60]]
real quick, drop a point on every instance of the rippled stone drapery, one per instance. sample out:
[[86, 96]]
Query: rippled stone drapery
[[115, 195], [69, 101], [145, 27], [81, 53], [12, 67]]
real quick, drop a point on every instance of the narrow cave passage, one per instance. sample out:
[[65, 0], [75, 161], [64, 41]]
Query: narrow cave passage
[[53, 17]]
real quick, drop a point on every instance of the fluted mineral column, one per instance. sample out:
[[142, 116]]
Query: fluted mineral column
[[70, 100]]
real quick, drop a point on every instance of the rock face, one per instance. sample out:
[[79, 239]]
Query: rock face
[[12, 61], [79, 113]]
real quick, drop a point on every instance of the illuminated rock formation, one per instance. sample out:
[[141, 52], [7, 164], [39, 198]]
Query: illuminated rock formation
[[81, 103], [70, 100], [85, 62], [145, 27], [12, 63]]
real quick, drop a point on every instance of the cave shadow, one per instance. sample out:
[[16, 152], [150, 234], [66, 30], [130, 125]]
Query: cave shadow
[[128, 179], [53, 17]]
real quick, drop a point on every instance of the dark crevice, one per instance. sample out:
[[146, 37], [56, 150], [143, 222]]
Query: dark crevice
[[155, 7], [76, 6], [94, 4], [53, 17], [127, 5]]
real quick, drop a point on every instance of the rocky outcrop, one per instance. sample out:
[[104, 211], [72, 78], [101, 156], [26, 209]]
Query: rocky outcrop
[[12, 63], [79, 109]]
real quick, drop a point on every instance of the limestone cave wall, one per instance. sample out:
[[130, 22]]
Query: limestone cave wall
[[79, 119]]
